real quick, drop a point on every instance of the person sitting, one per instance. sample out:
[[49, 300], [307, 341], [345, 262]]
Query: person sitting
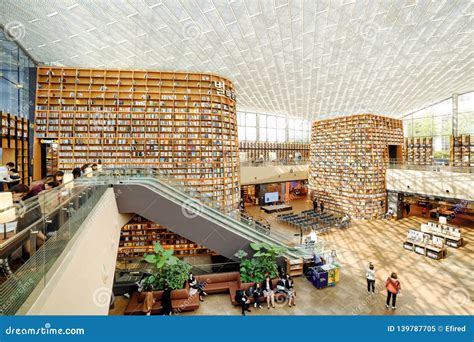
[[13, 177], [37, 188], [58, 177], [267, 288], [197, 286], [19, 191], [282, 284], [244, 301], [291, 291], [10, 165], [76, 172], [149, 300], [255, 292]]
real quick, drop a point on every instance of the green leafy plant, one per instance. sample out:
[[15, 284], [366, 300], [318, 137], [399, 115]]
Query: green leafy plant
[[168, 269], [263, 261]]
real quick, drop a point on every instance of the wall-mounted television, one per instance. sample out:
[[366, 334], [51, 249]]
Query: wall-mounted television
[[271, 197]]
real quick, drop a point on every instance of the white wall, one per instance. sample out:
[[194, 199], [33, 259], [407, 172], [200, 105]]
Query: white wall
[[81, 281], [272, 174], [460, 185]]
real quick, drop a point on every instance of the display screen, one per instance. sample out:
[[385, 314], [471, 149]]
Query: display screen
[[271, 197]]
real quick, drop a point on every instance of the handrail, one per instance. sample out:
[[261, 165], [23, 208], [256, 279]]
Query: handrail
[[174, 190], [62, 220]]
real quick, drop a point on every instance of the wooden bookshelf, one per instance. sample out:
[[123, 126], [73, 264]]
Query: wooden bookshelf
[[462, 150], [348, 161], [139, 236], [419, 151], [15, 144], [283, 150], [182, 123]]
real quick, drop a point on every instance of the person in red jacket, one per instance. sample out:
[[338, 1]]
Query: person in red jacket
[[393, 288]]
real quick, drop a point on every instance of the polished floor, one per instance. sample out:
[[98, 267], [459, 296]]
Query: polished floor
[[429, 287]]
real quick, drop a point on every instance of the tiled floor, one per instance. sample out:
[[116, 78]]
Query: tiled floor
[[429, 287]]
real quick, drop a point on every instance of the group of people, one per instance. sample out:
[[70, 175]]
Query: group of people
[[265, 289], [47, 202], [392, 284], [315, 205]]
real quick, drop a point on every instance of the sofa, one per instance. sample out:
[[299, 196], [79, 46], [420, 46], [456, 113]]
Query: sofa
[[279, 296], [181, 300]]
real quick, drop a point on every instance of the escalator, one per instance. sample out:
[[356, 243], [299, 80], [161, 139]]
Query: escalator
[[182, 210]]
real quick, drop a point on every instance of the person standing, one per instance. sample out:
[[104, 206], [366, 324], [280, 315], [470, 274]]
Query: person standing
[[166, 304], [370, 275], [315, 204], [407, 208], [393, 289], [321, 206]]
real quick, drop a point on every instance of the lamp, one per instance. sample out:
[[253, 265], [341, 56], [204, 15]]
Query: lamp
[[8, 215]]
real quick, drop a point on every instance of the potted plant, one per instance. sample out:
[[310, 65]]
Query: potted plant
[[263, 261], [169, 269]]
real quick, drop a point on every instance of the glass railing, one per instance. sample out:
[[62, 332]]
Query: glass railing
[[433, 168], [53, 218], [256, 163], [175, 190]]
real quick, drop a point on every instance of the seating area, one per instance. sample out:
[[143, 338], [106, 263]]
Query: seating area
[[182, 300], [309, 219]]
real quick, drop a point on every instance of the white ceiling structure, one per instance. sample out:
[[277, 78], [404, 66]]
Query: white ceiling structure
[[305, 58]]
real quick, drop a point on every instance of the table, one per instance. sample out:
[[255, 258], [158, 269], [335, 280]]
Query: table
[[276, 208], [427, 250]]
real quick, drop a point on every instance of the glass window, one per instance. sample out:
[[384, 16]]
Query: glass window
[[466, 102], [281, 135], [251, 119]]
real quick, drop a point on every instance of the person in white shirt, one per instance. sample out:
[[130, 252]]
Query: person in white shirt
[[389, 214], [370, 275]]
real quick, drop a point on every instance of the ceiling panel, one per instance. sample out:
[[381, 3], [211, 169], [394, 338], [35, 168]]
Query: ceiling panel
[[305, 58]]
